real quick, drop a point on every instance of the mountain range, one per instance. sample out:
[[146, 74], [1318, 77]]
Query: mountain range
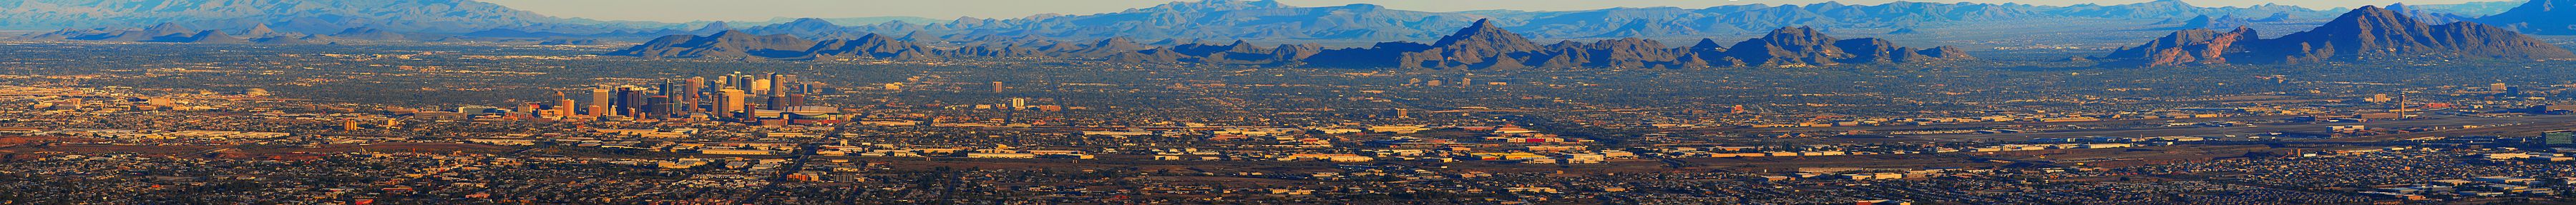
[[2363, 34], [1792, 35], [1206, 19], [2546, 17], [1266, 19], [1481, 45], [307, 16]]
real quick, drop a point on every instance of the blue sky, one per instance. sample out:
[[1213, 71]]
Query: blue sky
[[757, 10]]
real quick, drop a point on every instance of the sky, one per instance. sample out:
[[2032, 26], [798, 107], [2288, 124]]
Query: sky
[[761, 10]]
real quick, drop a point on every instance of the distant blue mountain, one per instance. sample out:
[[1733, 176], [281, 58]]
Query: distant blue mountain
[[1265, 19], [1171, 23], [304, 16]]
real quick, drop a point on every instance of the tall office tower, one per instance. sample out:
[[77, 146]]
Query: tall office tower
[[1018, 103], [774, 103], [794, 100], [563, 106], [663, 89], [630, 100], [722, 82], [777, 84], [691, 92], [695, 84], [599, 102], [732, 102], [657, 107], [997, 86], [787, 84], [1464, 82], [760, 87]]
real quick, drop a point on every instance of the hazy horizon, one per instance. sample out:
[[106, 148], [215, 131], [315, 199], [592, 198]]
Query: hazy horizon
[[762, 10]]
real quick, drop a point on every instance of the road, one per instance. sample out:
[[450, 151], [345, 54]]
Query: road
[[804, 152]]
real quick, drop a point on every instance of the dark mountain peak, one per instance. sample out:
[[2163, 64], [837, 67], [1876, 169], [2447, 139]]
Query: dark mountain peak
[[872, 45], [1801, 34], [2370, 20], [2366, 33], [258, 30], [1484, 35], [1480, 27], [1789, 46], [2196, 45], [1707, 44], [1117, 42], [723, 44], [211, 36]]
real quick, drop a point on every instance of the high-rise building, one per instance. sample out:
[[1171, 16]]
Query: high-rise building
[[760, 86], [782, 84], [599, 102], [774, 103], [723, 82], [658, 107], [690, 94], [794, 100], [694, 85], [732, 102], [630, 100], [1019, 103], [563, 106], [997, 86]]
